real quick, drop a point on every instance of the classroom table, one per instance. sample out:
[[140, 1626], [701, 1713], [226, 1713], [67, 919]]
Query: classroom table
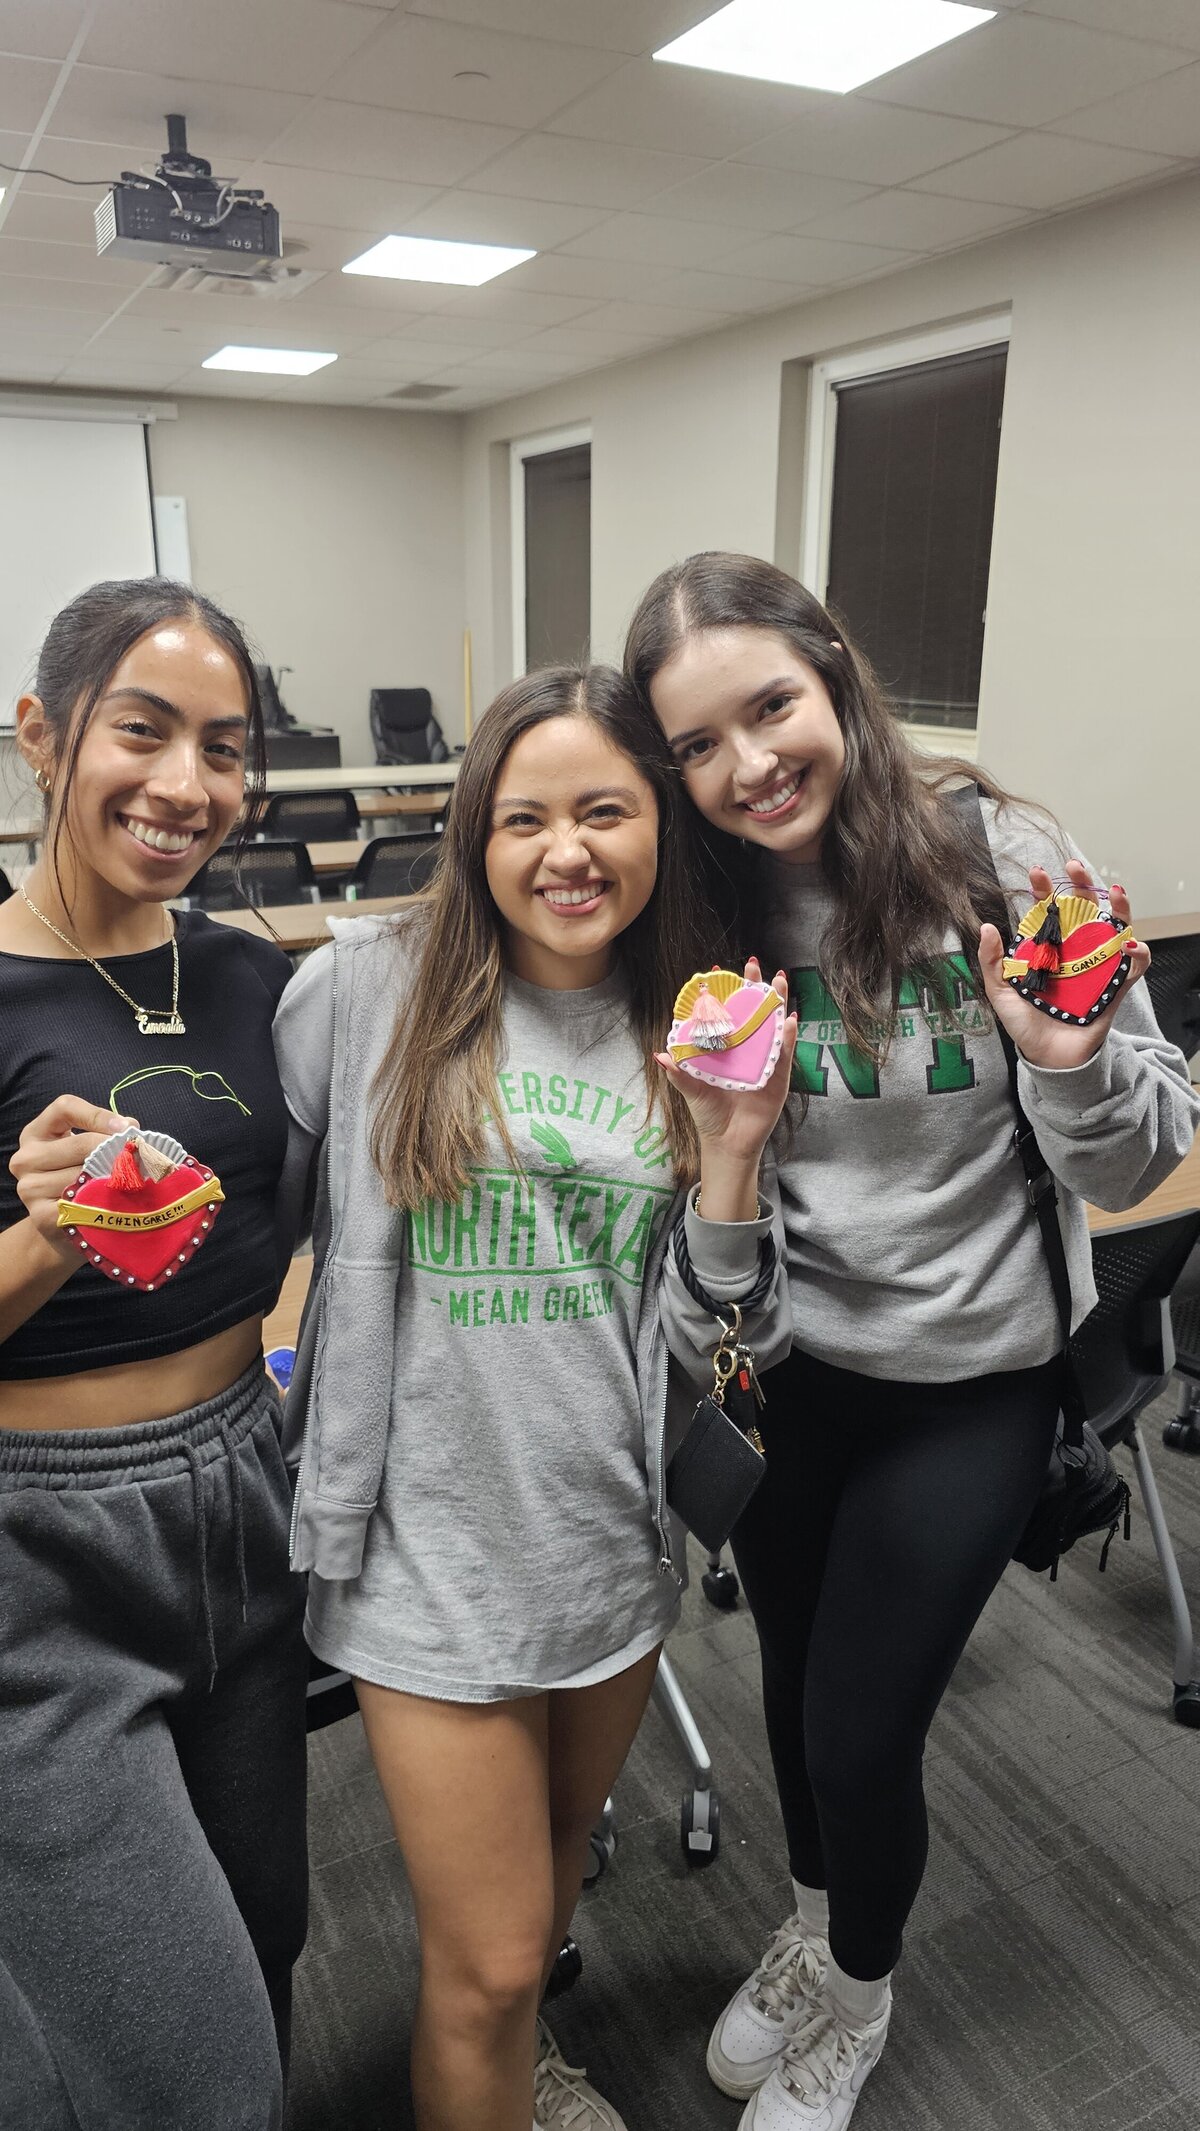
[[298, 926], [380, 805], [337, 856], [367, 777]]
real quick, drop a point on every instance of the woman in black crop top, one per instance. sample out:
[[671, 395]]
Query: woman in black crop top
[[152, 1862]]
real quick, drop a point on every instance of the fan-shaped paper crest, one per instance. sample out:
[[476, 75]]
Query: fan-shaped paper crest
[[1073, 911], [722, 983]]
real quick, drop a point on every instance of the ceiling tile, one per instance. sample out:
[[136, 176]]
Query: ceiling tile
[[366, 295], [44, 31], [67, 262], [1161, 117], [296, 46], [227, 125], [600, 279], [490, 218], [29, 369], [60, 217], [444, 329], [99, 161], [1043, 170], [611, 25], [416, 63], [727, 291], [913, 221], [25, 85], [755, 197], [498, 303], [656, 321], [404, 357], [335, 201], [678, 108], [813, 261], [656, 237], [134, 372], [1166, 21], [552, 166], [879, 144], [26, 291], [381, 144], [1021, 70], [583, 340]]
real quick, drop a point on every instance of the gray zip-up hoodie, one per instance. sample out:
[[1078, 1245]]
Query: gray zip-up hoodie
[[333, 1026]]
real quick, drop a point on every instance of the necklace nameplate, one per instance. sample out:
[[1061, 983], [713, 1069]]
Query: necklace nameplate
[[152, 1024]]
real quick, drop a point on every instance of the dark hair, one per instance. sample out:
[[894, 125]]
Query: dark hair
[[901, 866], [85, 644], [437, 1081]]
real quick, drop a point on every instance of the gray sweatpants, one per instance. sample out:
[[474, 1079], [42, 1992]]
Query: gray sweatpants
[[152, 1843]]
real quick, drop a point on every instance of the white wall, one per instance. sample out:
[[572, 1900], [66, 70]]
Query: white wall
[[335, 534], [1089, 696]]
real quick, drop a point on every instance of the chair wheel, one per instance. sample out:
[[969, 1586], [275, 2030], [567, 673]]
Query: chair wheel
[[1187, 1705], [700, 1828], [566, 1971], [602, 1844], [721, 1588], [1183, 1433]]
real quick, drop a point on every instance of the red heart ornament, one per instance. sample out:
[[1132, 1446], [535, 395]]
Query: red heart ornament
[[137, 1228], [1076, 977], [727, 1032]]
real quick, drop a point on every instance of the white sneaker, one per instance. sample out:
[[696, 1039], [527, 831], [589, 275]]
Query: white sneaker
[[820, 2076], [562, 2097], [753, 2031]]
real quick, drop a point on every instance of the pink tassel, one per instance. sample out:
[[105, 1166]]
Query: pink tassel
[[709, 1026]]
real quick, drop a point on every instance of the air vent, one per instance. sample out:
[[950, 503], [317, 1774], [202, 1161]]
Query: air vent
[[275, 282], [421, 392]]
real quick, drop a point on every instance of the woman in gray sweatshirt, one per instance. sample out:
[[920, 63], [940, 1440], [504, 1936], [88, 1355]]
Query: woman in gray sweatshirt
[[496, 1319], [909, 1430]]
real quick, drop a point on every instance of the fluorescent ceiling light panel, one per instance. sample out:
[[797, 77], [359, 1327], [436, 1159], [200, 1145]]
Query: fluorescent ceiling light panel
[[468, 266], [820, 44], [272, 362]]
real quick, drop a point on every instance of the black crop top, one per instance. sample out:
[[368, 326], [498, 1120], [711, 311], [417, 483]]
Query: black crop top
[[64, 1032]]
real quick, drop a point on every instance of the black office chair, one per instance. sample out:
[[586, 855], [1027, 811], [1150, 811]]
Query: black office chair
[[1173, 981], [395, 865], [1124, 1353], [264, 874], [1183, 1433], [404, 728], [309, 817], [6, 887]]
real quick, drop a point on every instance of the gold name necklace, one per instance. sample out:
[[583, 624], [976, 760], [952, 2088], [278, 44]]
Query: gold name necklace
[[151, 1020]]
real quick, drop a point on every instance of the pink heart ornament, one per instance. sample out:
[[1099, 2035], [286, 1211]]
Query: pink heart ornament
[[743, 1066]]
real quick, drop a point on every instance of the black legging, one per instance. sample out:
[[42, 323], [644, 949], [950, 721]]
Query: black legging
[[885, 1521]]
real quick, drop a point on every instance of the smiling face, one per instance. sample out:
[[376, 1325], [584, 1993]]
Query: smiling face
[[572, 853], [753, 728], [157, 785]]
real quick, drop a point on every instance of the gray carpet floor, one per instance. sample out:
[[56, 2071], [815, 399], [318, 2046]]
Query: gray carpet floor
[[1051, 1979]]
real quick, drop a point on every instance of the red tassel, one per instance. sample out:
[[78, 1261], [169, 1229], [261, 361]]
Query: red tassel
[[1044, 955], [125, 1174]]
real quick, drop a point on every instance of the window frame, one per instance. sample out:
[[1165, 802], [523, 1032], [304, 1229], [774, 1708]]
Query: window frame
[[521, 449], [855, 367]]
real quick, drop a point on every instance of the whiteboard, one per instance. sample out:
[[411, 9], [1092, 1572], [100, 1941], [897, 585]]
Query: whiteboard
[[74, 508]]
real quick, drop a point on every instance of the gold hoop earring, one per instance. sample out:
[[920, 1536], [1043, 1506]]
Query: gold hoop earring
[[42, 781]]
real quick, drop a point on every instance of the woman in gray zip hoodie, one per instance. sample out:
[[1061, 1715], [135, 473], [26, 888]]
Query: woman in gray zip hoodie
[[486, 1362]]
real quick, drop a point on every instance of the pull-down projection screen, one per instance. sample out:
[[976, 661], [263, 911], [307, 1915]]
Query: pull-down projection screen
[[74, 507]]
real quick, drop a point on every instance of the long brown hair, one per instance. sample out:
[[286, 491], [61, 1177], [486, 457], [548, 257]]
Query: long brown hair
[[437, 1084], [902, 868]]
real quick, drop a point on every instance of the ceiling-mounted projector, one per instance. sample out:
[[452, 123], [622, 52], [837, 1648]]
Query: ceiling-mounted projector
[[183, 215]]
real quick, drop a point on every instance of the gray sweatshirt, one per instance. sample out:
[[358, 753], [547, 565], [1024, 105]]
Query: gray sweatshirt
[[333, 1026], [913, 1250]]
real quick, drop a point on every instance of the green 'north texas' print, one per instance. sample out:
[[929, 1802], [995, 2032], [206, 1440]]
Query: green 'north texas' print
[[551, 1241], [940, 1014]]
